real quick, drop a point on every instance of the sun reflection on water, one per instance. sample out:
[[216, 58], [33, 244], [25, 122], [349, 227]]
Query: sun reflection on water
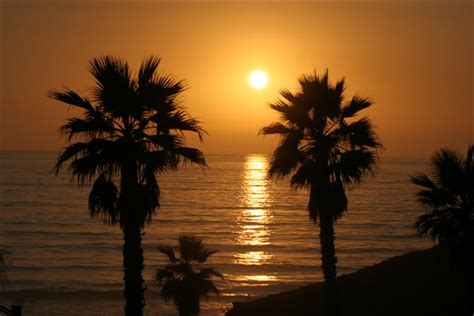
[[252, 258], [255, 217]]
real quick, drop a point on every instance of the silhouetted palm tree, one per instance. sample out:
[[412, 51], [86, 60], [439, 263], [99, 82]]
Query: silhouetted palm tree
[[184, 280], [129, 132], [324, 148], [448, 194]]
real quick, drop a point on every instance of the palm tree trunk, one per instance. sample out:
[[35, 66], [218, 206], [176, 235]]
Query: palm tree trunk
[[133, 267], [328, 259], [319, 207], [132, 250], [321, 201]]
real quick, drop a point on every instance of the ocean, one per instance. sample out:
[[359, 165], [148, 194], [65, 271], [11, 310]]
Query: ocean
[[265, 240]]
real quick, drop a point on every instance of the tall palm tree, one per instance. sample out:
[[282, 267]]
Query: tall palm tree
[[448, 194], [324, 149], [180, 281], [130, 131]]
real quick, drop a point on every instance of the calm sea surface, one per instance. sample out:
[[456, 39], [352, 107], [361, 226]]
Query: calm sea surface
[[261, 228]]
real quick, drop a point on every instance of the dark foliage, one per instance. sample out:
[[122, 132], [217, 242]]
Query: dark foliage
[[131, 130], [323, 148], [185, 280]]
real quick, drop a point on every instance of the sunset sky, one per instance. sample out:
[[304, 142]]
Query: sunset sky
[[414, 60]]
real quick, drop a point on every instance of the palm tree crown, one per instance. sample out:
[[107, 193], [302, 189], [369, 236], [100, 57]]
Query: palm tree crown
[[129, 120], [184, 280], [321, 144], [448, 193]]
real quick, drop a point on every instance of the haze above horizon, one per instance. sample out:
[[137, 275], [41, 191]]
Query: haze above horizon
[[413, 59]]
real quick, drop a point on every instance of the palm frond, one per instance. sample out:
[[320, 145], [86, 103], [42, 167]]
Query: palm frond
[[448, 169], [115, 89], [147, 202], [159, 161], [204, 255], [360, 134], [206, 273], [108, 70], [445, 225], [169, 252], [160, 93], [68, 153], [323, 97], [432, 195], [103, 199], [164, 141], [178, 121], [88, 127], [193, 155], [169, 289], [275, 128], [98, 155], [352, 165], [148, 197], [287, 155], [337, 196], [72, 98], [304, 175], [147, 70], [356, 105], [207, 287], [84, 169], [290, 97], [172, 86], [190, 247], [163, 275], [294, 114]]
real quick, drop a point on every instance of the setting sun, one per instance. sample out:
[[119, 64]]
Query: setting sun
[[258, 79]]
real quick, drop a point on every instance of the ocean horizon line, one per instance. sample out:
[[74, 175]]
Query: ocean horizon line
[[51, 151]]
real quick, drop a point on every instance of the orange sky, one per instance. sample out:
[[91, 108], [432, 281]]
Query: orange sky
[[413, 59]]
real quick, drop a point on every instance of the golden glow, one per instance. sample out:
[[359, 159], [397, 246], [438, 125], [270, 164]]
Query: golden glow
[[252, 258], [255, 217], [259, 278], [258, 79]]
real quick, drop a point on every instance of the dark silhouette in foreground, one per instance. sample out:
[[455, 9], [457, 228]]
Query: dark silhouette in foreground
[[420, 283], [14, 310], [447, 193], [184, 280], [129, 132], [324, 149], [4, 266]]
